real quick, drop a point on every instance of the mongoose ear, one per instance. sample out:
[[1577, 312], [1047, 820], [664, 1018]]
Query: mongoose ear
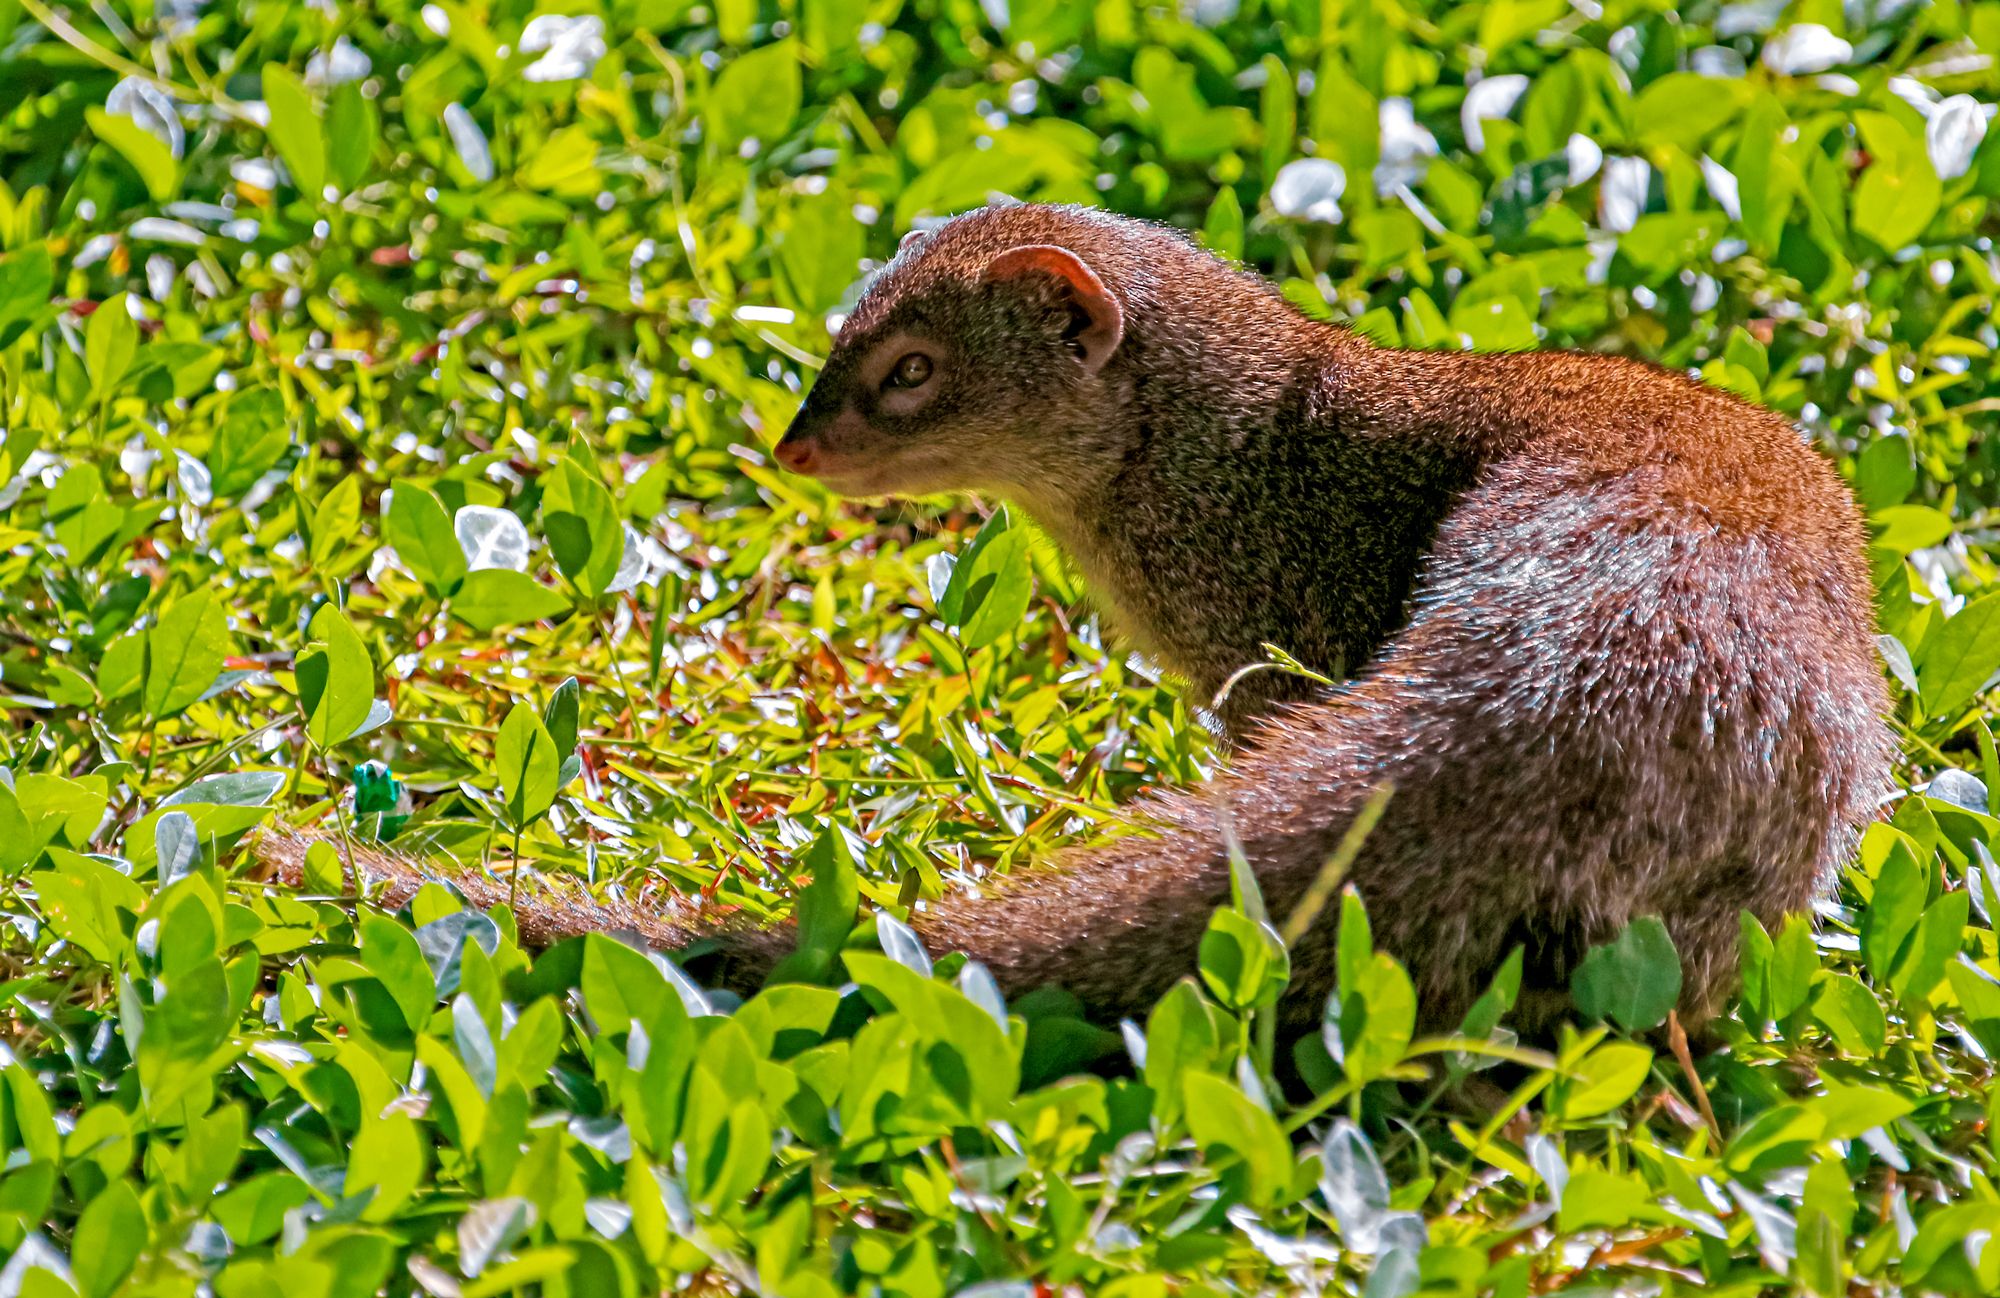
[[1101, 321]]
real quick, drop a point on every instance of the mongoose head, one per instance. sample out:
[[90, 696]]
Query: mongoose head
[[968, 357]]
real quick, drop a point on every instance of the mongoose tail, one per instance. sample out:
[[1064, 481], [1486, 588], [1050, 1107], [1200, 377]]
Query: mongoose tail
[[549, 909]]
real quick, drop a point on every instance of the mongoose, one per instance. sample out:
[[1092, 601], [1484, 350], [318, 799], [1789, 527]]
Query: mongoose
[[1608, 632], [1605, 631]]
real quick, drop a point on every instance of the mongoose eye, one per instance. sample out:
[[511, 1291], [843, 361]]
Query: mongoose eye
[[910, 372]]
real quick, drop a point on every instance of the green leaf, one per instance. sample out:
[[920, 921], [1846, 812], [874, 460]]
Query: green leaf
[[110, 1234], [185, 653], [417, 525], [1354, 945], [353, 128], [1596, 1198], [1907, 528], [253, 437], [1899, 191], [1368, 1021], [1633, 980], [1885, 473], [336, 679], [110, 344], [1220, 1115], [295, 129], [585, 532], [1182, 1038], [491, 598], [390, 952], [1794, 961], [1937, 939], [385, 1164], [621, 985], [83, 898], [756, 97], [1959, 656], [528, 765], [1601, 1081], [1243, 962], [148, 154], [1222, 230], [335, 523], [1849, 1111], [1893, 911], [560, 717], [990, 585], [565, 164], [820, 250], [27, 279], [825, 908], [1849, 1011]]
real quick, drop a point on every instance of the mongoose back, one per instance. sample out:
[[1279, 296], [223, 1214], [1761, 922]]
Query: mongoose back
[[1605, 632]]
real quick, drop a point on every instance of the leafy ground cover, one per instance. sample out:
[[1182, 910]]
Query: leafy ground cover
[[384, 392]]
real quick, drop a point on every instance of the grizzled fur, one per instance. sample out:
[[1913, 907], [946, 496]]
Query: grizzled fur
[[1605, 631]]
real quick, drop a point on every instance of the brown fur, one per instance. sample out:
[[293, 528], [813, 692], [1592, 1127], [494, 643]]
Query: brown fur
[[1608, 631]]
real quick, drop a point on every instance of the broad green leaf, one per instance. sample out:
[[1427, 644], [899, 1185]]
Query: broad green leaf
[[1369, 1019], [1243, 962], [1182, 1038], [491, 598], [564, 164], [1894, 910], [83, 898], [1601, 1081], [352, 130], [336, 679], [110, 344], [110, 1234], [1634, 980], [147, 153], [390, 952], [825, 908], [585, 532], [1218, 1114], [756, 97], [1899, 191], [417, 525], [335, 523], [185, 653], [528, 765], [295, 130], [1959, 656], [621, 985], [27, 278], [560, 716], [1849, 1011], [386, 1163]]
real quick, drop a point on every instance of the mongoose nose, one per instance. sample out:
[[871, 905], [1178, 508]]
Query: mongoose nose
[[795, 453]]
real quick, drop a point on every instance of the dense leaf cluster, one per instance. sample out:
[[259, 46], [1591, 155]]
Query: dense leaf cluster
[[384, 396]]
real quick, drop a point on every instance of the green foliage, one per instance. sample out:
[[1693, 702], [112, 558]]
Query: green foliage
[[383, 392]]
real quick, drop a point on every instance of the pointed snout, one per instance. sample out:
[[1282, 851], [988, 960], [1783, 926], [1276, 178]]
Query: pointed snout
[[796, 451]]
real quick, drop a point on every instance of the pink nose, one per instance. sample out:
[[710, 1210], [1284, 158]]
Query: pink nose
[[795, 454]]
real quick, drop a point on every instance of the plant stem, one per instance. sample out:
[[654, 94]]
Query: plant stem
[[631, 701], [514, 871], [340, 818]]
